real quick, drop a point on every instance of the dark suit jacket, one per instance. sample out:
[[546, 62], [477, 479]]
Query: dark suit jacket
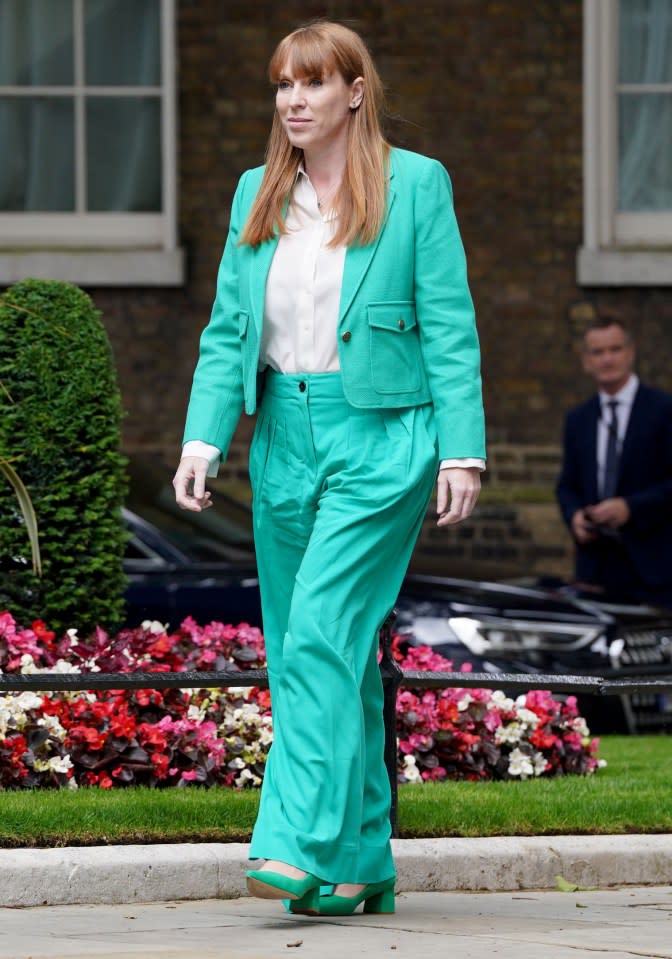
[[645, 482]]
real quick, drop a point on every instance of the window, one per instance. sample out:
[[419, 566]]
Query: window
[[87, 103], [627, 143]]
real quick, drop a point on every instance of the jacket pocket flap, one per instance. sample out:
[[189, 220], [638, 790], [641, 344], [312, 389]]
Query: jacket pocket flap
[[396, 317]]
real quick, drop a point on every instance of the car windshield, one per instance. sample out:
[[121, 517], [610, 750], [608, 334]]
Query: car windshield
[[223, 534]]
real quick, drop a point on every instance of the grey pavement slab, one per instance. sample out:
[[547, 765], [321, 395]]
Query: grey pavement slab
[[609, 924]]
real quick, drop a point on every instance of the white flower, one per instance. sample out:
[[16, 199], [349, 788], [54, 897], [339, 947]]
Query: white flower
[[5, 716], [520, 764], [411, 773], [28, 667], [28, 664], [237, 763], [28, 700], [580, 726], [154, 626], [247, 776], [463, 704], [60, 764], [527, 716], [52, 724], [539, 763], [266, 733], [56, 764], [510, 733], [62, 666], [501, 701], [72, 635], [90, 663]]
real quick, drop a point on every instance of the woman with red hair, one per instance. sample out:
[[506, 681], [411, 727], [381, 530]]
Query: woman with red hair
[[343, 318]]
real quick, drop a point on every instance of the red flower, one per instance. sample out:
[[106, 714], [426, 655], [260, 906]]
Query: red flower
[[543, 740], [150, 735], [123, 725], [160, 763], [44, 635]]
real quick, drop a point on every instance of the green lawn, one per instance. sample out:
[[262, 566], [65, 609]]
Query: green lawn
[[631, 795]]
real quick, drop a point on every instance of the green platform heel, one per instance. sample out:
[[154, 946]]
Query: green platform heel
[[303, 893], [378, 898]]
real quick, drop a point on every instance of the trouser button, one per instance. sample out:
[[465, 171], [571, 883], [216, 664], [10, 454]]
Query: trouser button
[[302, 386]]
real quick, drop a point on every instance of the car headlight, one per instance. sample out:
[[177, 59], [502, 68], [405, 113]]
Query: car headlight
[[498, 635]]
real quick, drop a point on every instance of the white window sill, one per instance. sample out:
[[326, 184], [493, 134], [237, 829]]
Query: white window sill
[[140, 267], [623, 267]]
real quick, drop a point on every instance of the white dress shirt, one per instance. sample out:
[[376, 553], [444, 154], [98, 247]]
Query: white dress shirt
[[624, 399], [303, 290], [303, 293]]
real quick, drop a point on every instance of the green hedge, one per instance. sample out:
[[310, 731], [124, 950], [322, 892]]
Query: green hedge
[[60, 417]]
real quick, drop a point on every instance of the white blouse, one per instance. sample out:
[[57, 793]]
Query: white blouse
[[303, 290], [303, 293]]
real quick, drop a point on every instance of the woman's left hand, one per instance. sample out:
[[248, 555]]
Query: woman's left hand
[[457, 490]]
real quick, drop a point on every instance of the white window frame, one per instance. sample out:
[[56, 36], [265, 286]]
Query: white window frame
[[619, 249], [104, 249]]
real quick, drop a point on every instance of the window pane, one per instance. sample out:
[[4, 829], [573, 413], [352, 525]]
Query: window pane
[[37, 174], [645, 41], [123, 42], [645, 152], [36, 42], [124, 154]]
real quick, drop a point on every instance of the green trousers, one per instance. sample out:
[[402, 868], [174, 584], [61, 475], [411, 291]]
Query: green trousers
[[339, 495]]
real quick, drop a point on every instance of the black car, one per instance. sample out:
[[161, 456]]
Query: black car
[[511, 628], [203, 565], [173, 573]]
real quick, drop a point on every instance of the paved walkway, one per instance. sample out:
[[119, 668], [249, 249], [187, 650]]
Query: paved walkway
[[614, 924], [457, 899]]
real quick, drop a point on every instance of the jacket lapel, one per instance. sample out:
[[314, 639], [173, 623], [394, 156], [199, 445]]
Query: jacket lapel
[[591, 448], [260, 264], [358, 259], [637, 416], [357, 262]]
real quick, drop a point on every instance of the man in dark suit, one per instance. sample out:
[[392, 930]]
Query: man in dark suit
[[615, 486]]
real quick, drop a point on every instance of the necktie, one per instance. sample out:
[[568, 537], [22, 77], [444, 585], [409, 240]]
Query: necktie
[[611, 459]]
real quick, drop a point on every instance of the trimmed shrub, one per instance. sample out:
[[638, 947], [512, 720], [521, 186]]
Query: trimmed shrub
[[60, 417]]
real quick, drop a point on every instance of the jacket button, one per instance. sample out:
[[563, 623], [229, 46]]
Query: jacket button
[[401, 324], [346, 336]]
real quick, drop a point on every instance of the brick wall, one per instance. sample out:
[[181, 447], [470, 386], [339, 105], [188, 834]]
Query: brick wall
[[492, 88], [516, 529]]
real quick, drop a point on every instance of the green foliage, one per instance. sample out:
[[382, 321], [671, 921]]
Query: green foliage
[[60, 417], [26, 506]]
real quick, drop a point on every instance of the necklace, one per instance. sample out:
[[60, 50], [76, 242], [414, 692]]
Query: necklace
[[326, 195]]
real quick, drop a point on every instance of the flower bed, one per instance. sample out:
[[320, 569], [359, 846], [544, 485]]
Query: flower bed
[[178, 738]]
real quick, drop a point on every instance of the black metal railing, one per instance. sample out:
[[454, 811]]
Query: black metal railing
[[393, 677]]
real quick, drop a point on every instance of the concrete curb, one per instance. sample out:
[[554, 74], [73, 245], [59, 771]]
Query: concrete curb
[[159, 873]]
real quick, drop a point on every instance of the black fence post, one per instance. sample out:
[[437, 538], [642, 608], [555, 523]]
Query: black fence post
[[392, 679]]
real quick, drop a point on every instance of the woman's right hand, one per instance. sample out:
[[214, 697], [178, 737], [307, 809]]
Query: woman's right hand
[[189, 484]]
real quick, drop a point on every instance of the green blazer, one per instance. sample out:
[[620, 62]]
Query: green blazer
[[406, 330]]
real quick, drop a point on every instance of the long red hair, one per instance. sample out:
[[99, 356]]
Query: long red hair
[[314, 50]]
